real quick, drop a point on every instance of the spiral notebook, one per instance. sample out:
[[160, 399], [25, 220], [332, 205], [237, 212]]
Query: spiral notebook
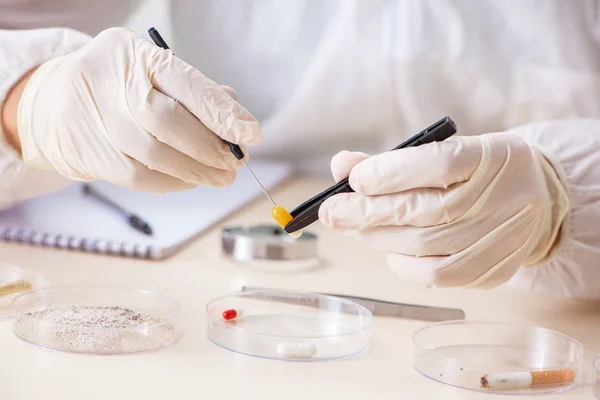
[[70, 220]]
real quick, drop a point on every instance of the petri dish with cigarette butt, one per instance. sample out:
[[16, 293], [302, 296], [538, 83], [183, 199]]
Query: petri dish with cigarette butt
[[498, 358]]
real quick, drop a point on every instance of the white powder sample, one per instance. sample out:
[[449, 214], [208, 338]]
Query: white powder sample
[[98, 330]]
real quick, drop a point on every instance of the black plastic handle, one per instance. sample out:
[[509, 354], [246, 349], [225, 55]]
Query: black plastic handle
[[235, 149], [158, 40]]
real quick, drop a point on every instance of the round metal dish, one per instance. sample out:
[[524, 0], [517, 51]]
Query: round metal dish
[[267, 242]]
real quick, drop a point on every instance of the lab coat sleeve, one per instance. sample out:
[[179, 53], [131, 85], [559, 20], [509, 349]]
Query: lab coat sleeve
[[573, 267], [20, 51]]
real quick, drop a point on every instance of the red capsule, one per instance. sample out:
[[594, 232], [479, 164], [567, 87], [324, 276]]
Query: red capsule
[[229, 314]]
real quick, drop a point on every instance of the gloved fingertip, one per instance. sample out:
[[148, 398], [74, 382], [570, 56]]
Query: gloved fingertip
[[356, 181], [334, 213], [325, 212], [343, 162], [248, 133], [257, 135], [337, 165], [226, 178]]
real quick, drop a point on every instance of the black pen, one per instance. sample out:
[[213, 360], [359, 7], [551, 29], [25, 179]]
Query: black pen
[[133, 220]]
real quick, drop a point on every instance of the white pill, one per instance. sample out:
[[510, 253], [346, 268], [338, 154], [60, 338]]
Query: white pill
[[296, 350], [296, 234]]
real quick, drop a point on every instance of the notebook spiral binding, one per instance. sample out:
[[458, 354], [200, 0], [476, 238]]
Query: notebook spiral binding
[[73, 243]]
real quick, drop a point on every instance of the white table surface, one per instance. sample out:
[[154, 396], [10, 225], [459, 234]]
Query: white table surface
[[194, 368]]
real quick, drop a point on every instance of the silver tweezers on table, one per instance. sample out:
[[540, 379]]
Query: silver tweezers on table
[[376, 307]]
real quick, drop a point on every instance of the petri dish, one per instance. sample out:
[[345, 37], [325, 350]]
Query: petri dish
[[96, 319], [498, 358], [290, 326], [13, 281]]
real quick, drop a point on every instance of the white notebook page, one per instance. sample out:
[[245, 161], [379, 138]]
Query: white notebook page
[[174, 217]]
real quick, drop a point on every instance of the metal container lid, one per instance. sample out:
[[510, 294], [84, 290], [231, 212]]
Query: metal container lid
[[267, 242]]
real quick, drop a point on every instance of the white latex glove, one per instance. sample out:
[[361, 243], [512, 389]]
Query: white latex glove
[[123, 110], [465, 212]]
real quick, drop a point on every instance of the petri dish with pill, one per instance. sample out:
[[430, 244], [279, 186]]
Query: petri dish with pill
[[498, 358], [288, 326], [13, 281], [96, 319]]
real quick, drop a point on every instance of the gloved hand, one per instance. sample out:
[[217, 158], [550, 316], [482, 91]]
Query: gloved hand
[[465, 212], [123, 110]]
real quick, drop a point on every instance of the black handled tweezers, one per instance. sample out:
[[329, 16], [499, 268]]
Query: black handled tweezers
[[308, 212]]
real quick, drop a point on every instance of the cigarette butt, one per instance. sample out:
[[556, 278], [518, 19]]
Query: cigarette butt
[[15, 287], [552, 377], [517, 380]]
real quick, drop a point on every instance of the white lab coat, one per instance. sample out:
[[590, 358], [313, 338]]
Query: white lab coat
[[323, 76]]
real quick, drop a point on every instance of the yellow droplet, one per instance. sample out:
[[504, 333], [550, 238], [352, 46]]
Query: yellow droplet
[[281, 216]]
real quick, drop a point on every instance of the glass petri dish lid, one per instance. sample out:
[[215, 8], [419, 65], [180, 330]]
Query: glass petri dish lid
[[498, 358], [96, 319], [290, 326], [13, 281]]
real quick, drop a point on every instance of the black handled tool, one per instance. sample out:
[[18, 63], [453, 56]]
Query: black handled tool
[[235, 149], [308, 212], [134, 221]]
